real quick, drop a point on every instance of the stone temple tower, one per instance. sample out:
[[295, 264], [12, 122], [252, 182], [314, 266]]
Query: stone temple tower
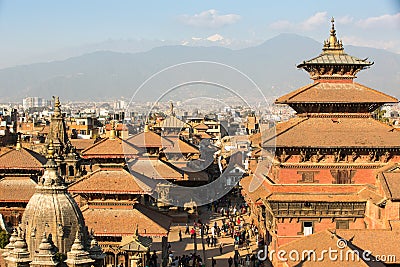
[[52, 210], [65, 154], [57, 132]]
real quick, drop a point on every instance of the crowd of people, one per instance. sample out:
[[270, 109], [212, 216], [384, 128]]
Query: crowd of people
[[231, 225], [190, 260]]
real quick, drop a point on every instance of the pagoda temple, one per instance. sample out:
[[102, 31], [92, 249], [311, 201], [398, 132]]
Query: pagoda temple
[[324, 174]]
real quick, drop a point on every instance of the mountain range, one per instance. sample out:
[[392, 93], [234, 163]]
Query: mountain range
[[271, 65]]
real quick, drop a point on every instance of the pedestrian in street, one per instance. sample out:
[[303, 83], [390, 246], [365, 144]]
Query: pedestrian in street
[[236, 256], [180, 235], [192, 233], [252, 260], [208, 241], [247, 260], [187, 229], [213, 262], [220, 248], [230, 261]]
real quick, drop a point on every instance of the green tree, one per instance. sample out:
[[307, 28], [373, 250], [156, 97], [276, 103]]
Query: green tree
[[379, 114], [4, 238]]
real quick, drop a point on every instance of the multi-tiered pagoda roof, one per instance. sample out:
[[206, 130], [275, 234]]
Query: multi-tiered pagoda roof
[[334, 111]]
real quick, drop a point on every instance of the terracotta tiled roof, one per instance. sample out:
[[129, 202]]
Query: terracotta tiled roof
[[109, 181], [179, 146], [172, 122], [255, 139], [81, 144], [201, 126], [110, 148], [135, 243], [383, 241], [204, 135], [154, 168], [356, 240], [258, 189], [325, 132], [335, 93], [148, 139], [4, 150], [390, 180], [16, 189], [255, 190], [122, 222], [333, 59], [368, 193], [22, 159]]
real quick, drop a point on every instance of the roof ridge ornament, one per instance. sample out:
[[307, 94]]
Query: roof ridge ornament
[[50, 150], [333, 63], [18, 146], [146, 127], [333, 44], [112, 131]]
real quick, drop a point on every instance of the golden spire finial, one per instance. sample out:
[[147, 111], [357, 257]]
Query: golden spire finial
[[50, 150], [332, 38], [112, 131], [18, 146], [332, 45], [146, 127]]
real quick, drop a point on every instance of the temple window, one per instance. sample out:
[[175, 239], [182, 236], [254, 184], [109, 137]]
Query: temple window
[[343, 176], [307, 176], [342, 224], [307, 228]]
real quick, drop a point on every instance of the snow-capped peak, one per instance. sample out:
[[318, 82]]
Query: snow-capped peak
[[215, 38]]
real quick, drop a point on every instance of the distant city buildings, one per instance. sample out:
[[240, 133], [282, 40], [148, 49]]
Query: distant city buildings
[[35, 102]]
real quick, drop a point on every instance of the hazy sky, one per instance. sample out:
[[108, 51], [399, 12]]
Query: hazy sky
[[44, 30]]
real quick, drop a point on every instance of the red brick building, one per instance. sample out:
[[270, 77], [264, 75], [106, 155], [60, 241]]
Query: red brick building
[[333, 165]]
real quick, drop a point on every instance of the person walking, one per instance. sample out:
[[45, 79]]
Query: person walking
[[187, 229], [230, 261], [180, 235], [213, 262], [220, 248], [192, 233]]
